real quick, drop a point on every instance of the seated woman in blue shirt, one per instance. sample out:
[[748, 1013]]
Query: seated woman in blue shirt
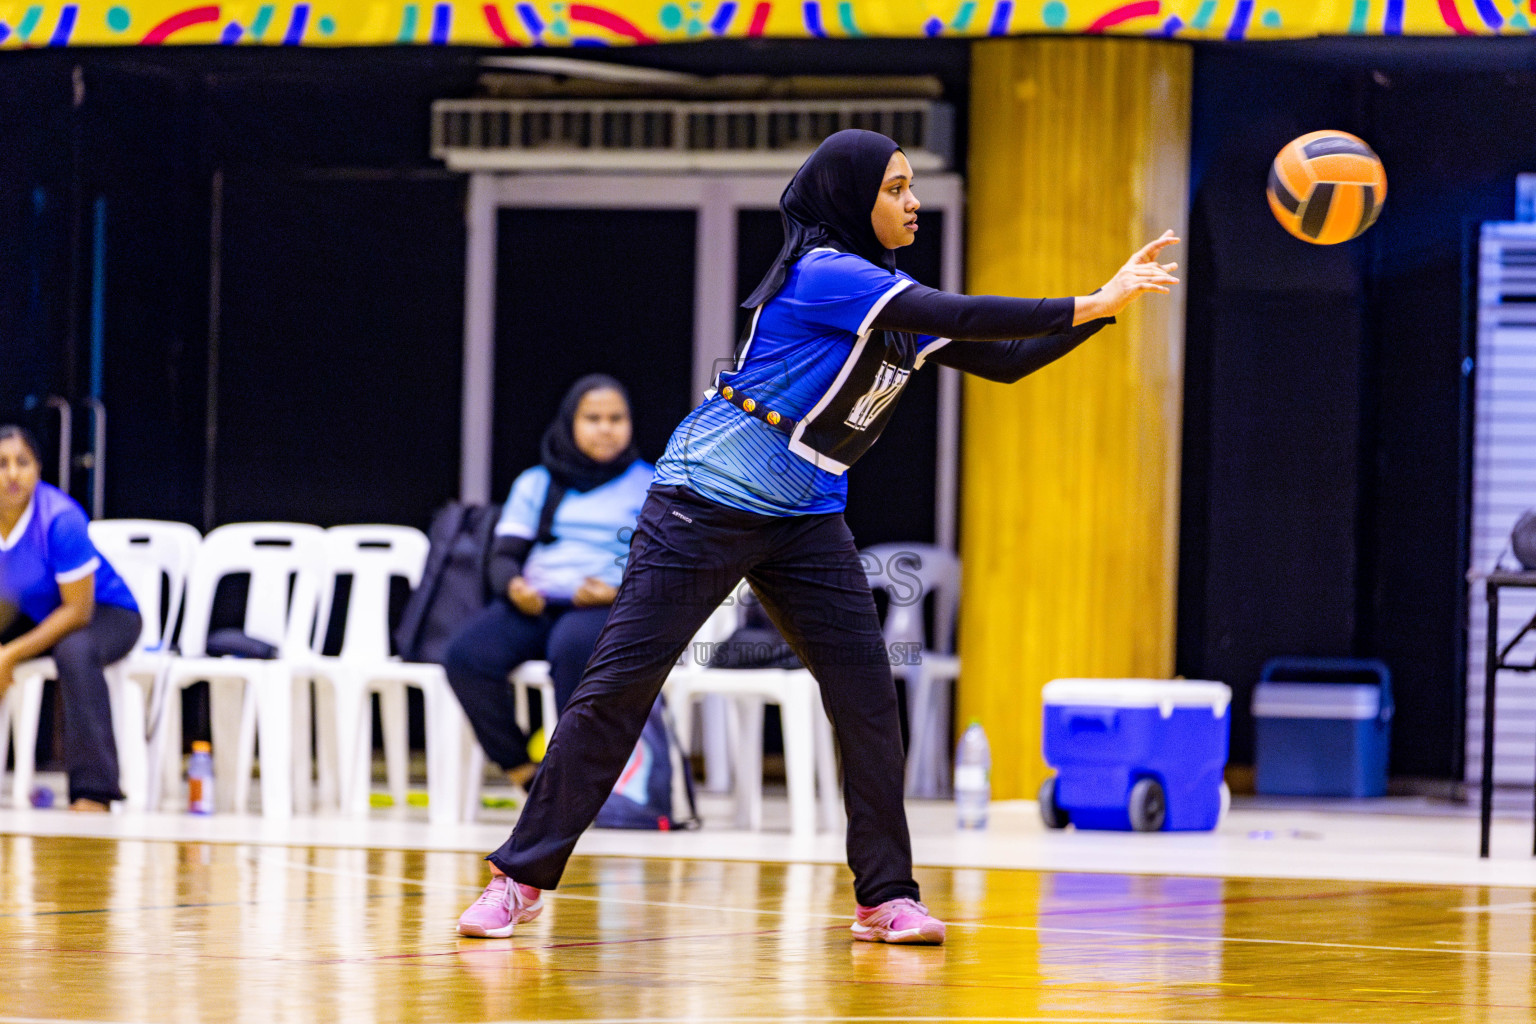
[[59, 597], [558, 557]]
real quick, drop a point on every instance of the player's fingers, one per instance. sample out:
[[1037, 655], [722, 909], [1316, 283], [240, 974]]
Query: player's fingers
[[1158, 244]]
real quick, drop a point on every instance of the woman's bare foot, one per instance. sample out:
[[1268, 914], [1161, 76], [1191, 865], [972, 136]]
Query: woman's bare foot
[[89, 806], [522, 775]]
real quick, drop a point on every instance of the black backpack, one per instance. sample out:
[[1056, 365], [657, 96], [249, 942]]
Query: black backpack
[[455, 585]]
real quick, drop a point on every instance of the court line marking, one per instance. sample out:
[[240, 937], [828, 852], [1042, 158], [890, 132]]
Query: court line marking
[[1247, 939], [797, 1019], [1495, 908], [788, 1020], [556, 896], [1164, 937]]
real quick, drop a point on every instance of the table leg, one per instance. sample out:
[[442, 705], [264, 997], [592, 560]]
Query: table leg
[[1490, 671]]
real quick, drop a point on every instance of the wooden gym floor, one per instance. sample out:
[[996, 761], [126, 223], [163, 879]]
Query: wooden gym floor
[[320, 921]]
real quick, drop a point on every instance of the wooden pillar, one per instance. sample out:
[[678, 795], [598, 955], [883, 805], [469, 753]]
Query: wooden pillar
[[1069, 526]]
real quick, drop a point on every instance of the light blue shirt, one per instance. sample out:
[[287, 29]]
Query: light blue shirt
[[592, 529]]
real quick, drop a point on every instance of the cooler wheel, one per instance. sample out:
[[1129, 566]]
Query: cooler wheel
[[1148, 806], [1053, 815]]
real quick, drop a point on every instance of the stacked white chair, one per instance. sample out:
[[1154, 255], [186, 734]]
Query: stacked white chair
[[251, 697], [144, 553], [372, 556], [809, 756], [909, 574]]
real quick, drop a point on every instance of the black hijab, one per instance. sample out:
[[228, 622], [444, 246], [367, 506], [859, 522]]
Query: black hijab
[[828, 204], [571, 469]]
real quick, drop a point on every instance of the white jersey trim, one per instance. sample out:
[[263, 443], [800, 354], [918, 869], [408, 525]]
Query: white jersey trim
[[928, 350], [874, 310], [798, 446], [78, 574], [20, 531], [815, 457]]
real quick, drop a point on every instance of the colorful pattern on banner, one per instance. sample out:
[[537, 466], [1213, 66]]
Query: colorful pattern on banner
[[560, 23]]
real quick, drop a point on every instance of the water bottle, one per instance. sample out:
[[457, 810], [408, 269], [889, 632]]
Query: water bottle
[[200, 778], [973, 777]]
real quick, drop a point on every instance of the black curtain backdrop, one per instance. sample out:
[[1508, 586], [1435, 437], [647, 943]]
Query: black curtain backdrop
[[1327, 417]]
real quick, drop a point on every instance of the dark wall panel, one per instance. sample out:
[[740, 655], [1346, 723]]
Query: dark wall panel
[[339, 362], [590, 291], [1327, 409]]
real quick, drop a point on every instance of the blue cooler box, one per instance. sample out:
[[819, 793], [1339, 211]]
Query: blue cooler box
[[1146, 754], [1322, 727]]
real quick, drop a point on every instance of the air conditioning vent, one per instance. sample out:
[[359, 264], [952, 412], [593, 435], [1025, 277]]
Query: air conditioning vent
[[666, 135]]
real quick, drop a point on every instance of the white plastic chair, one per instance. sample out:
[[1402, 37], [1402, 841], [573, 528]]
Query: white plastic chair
[[154, 558], [909, 573], [285, 562], [20, 712], [530, 675], [809, 757], [142, 552], [372, 556]]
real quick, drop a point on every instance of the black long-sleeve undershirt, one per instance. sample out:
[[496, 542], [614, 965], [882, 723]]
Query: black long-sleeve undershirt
[[507, 554], [995, 337]]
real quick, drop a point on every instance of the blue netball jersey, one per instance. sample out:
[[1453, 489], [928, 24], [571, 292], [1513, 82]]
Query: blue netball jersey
[[810, 357], [50, 546]]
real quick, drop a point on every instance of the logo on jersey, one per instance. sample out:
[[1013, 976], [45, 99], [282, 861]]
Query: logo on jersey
[[888, 384]]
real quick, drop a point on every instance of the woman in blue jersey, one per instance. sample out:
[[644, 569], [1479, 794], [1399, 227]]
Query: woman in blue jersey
[[752, 485], [555, 567], [59, 597]]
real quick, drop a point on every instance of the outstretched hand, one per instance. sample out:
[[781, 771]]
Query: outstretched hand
[[1140, 274]]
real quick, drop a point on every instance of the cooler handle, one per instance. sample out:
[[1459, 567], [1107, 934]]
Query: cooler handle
[[1293, 670], [1081, 720]]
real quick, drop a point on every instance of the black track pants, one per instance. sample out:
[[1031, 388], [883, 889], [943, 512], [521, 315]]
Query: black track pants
[[687, 556]]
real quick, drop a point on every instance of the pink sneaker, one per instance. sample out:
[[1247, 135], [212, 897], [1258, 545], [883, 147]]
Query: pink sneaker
[[503, 905], [902, 921]]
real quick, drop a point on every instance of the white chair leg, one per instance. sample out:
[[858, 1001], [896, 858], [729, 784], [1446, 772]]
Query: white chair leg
[[275, 716], [715, 744], [154, 739], [396, 728], [25, 715], [799, 760], [444, 735], [301, 736], [168, 735], [358, 781], [473, 775], [920, 729], [331, 767], [943, 696], [830, 794], [551, 716], [680, 702], [232, 710], [128, 733], [746, 714], [520, 708], [348, 714]]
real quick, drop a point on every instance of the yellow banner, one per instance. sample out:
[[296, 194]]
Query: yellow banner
[[559, 23]]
